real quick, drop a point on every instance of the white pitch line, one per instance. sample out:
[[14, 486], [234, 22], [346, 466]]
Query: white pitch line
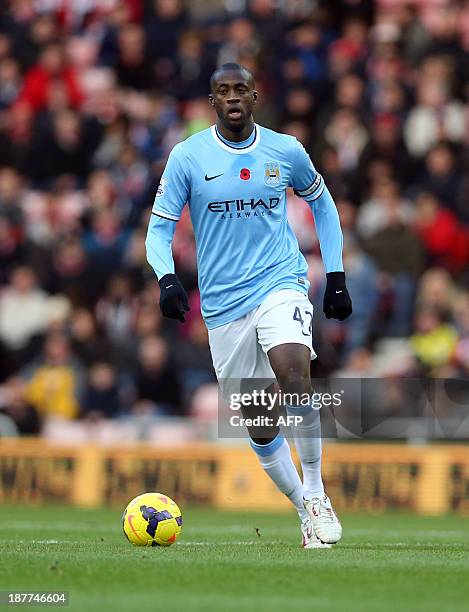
[[378, 545], [42, 542], [59, 526], [227, 543], [393, 533]]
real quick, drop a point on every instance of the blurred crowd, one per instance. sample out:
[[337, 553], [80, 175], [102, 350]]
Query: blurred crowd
[[93, 96]]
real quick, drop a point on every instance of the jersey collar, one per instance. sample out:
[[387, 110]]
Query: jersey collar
[[224, 144]]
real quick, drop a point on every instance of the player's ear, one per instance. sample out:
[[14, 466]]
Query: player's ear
[[254, 96], [211, 100]]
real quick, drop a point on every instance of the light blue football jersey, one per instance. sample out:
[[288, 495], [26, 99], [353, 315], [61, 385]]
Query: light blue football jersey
[[236, 193]]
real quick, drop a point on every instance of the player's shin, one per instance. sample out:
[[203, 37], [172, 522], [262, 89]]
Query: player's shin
[[307, 436], [275, 458], [326, 525]]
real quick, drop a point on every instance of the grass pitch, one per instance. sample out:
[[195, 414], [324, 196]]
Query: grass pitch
[[237, 562]]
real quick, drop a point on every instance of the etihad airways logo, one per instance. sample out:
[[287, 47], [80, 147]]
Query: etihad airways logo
[[231, 209]]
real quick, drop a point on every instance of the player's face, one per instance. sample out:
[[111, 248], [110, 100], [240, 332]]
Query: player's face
[[233, 98]]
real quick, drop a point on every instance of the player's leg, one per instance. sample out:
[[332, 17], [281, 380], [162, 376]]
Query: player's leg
[[274, 452], [275, 457], [291, 362], [237, 356], [284, 331]]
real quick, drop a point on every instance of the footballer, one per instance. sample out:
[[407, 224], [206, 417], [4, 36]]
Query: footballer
[[252, 276]]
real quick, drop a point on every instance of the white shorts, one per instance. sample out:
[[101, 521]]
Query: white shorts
[[239, 349]]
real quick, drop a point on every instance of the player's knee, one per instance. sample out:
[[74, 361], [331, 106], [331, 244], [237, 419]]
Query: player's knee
[[294, 379], [291, 365]]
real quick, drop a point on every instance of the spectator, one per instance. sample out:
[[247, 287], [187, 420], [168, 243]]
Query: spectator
[[156, 378], [299, 104], [445, 239], [441, 176], [363, 284], [165, 24], [241, 39], [386, 145], [373, 215], [52, 66], [134, 68], [66, 149], [434, 117], [434, 341], [192, 69], [55, 380], [129, 175], [460, 311], [70, 273], [398, 273], [116, 311], [10, 81], [11, 249], [105, 243], [87, 343], [348, 136], [436, 290], [11, 191], [23, 309], [18, 138], [13, 403], [101, 397], [415, 37], [193, 357]]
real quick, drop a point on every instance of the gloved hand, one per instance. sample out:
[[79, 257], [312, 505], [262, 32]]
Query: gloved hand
[[173, 298], [337, 302]]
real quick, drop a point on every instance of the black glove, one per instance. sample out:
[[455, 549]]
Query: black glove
[[337, 302], [173, 298]]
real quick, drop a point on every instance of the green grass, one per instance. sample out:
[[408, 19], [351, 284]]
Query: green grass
[[221, 563]]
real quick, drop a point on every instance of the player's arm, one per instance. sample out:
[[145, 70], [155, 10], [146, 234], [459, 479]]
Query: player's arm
[[309, 185], [171, 196]]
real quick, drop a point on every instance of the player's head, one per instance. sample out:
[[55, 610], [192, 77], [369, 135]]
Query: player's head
[[233, 95]]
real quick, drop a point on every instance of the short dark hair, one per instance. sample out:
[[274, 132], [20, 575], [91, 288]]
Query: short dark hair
[[230, 66]]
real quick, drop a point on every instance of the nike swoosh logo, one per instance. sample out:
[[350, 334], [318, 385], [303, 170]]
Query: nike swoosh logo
[[169, 286], [137, 535], [210, 178], [339, 291]]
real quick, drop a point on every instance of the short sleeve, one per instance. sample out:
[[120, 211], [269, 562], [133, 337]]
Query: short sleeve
[[307, 183], [174, 188]]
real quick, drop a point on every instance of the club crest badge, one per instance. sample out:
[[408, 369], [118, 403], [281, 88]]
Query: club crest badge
[[272, 173]]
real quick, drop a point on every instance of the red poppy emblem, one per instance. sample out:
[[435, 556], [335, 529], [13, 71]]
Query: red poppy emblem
[[245, 174]]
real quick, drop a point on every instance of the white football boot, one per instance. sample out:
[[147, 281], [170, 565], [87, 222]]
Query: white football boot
[[326, 525], [310, 540]]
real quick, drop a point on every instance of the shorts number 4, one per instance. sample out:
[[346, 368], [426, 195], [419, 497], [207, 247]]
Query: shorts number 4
[[305, 320]]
